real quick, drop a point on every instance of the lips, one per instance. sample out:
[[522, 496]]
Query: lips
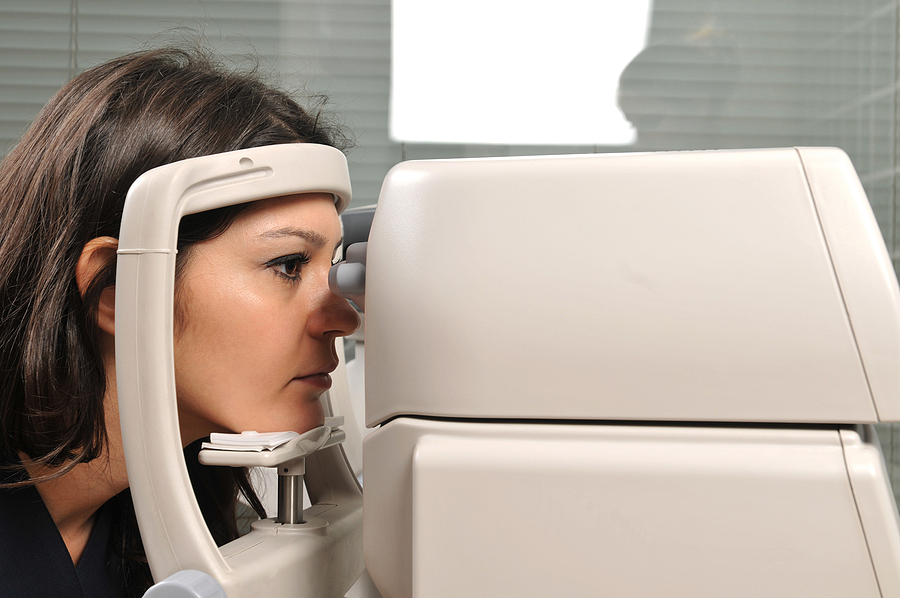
[[320, 378]]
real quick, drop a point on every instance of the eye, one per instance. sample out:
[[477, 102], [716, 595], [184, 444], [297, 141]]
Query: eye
[[290, 266]]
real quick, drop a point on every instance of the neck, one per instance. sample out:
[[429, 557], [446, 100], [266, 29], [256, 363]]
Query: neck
[[74, 498]]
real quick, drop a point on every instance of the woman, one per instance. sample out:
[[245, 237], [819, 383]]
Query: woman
[[254, 317]]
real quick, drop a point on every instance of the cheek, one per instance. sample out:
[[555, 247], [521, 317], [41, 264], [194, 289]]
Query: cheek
[[212, 346], [226, 332], [235, 356]]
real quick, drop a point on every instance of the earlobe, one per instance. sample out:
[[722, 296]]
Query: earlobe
[[95, 256]]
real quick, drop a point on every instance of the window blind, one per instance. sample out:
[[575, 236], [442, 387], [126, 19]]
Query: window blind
[[340, 49]]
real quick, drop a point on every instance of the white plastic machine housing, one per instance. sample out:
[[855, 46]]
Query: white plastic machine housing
[[321, 558], [630, 375]]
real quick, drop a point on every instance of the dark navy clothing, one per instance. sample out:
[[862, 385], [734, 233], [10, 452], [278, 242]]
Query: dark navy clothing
[[34, 560]]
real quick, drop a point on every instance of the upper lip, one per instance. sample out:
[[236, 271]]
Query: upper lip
[[326, 369]]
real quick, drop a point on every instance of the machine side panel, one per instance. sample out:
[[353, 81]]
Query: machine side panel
[[594, 510], [388, 453], [876, 504], [864, 270], [689, 286]]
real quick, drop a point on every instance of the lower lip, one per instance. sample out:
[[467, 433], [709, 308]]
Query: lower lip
[[322, 381]]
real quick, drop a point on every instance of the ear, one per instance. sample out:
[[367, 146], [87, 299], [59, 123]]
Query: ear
[[94, 257]]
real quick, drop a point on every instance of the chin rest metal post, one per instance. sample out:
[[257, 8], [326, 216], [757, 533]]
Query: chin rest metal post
[[290, 461]]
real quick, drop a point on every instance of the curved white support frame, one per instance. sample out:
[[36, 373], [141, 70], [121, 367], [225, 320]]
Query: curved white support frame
[[172, 528]]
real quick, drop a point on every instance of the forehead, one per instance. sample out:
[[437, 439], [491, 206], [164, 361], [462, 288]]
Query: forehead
[[309, 210]]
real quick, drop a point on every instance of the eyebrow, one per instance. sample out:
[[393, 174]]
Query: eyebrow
[[317, 240]]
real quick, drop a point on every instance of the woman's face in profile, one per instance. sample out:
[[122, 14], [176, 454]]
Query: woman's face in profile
[[255, 344]]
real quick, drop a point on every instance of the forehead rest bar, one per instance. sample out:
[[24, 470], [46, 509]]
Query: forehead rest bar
[[172, 528], [159, 198]]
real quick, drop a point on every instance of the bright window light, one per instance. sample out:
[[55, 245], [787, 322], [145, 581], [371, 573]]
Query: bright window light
[[513, 72]]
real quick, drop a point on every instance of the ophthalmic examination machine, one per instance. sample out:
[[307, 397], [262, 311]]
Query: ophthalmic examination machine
[[625, 375]]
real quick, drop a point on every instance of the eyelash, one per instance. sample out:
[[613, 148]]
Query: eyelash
[[300, 259]]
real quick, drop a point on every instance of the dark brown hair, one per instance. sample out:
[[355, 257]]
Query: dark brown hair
[[64, 184]]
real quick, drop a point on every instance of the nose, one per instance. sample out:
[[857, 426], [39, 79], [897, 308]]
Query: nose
[[334, 315]]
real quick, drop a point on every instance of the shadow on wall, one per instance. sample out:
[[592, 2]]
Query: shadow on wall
[[682, 95]]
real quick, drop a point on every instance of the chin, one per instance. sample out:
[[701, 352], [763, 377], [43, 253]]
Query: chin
[[313, 418]]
